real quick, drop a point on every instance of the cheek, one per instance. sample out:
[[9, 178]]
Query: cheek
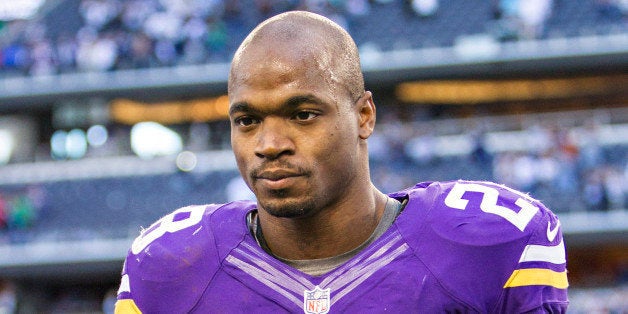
[[339, 149], [240, 152], [342, 138]]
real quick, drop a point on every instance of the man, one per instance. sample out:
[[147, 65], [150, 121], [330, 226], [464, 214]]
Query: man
[[321, 238]]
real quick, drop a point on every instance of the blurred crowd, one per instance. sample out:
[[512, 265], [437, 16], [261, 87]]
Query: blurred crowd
[[19, 209], [115, 34], [111, 35], [570, 168]]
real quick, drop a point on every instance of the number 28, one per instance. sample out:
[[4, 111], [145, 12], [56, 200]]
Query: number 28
[[168, 224], [489, 204]]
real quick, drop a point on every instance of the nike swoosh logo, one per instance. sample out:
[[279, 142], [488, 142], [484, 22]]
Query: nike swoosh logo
[[551, 233]]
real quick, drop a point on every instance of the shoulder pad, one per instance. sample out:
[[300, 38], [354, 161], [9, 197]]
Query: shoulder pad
[[478, 212], [475, 235], [175, 257]]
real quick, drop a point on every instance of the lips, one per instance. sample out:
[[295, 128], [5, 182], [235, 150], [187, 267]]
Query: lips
[[275, 175], [276, 179]]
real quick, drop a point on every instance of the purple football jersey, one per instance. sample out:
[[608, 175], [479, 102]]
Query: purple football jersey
[[463, 247]]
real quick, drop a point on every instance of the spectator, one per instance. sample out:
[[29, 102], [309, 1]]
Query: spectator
[[533, 15], [165, 52], [566, 153], [163, 25], [23, 213], [140, 51], [424, 8], [66, 48], [506, 14], [357, 7], [611, 9], [44, 61], [135, 12], [594, 191], [98, 13], [613, 185], [8, 297], [109, 302], [524, 174], [217, 39], [15, 58], [590, 153], [238, 190], [96, 53], [4, 213], [194, 52], [480, 153], [421, 148]]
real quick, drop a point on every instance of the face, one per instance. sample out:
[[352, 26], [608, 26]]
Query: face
[[295, 133]]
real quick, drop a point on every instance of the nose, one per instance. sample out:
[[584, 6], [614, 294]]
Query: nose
[[274, 140]]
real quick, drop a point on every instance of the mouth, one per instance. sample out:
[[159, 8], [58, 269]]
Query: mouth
[[277, 179]]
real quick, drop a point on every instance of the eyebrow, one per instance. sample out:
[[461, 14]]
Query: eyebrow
[[239, 107], [290, 103]]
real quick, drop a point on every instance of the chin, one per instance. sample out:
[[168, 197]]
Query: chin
[[284, 208]]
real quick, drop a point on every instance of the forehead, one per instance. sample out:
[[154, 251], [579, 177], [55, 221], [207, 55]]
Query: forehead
[[276, 69], [282, 59]]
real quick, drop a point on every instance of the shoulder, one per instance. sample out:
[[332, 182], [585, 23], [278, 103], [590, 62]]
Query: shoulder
[[479, 214], [482, 236], [478, 207], [188, 226], [181, 252]]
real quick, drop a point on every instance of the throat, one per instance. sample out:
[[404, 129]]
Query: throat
[[314, 258]]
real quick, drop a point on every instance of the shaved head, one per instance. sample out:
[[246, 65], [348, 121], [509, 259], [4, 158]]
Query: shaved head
[[300, 120], [319, 44]]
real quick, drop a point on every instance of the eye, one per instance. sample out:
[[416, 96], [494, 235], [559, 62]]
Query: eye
[[305, 115], [245, 121]]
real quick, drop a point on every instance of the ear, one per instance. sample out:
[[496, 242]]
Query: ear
[[366, 114]]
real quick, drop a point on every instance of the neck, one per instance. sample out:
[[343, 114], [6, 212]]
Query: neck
[[331, 232]]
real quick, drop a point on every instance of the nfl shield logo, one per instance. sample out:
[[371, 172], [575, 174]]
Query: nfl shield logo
[[316, 301]]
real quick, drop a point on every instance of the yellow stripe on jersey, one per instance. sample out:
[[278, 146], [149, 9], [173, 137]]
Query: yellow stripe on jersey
[[126, 306], [537, 277]]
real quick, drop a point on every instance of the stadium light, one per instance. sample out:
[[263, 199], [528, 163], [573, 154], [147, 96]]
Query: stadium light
[[19, 9], [76, 144], [57, 144], [6, 146], [151, 139], [97, 135]]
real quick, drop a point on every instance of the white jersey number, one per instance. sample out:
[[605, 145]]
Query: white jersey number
[[489, 203], [167, 224]]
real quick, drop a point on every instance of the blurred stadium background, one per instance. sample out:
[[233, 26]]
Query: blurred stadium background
[[113, 113]]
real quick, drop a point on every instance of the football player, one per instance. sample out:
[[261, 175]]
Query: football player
[[321, 237]]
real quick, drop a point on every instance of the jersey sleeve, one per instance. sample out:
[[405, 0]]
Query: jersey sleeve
[[532, 267], [168, 265], [493, 248], [538, 282]]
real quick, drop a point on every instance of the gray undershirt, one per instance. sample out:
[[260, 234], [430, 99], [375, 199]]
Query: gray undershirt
[[317, 267]]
